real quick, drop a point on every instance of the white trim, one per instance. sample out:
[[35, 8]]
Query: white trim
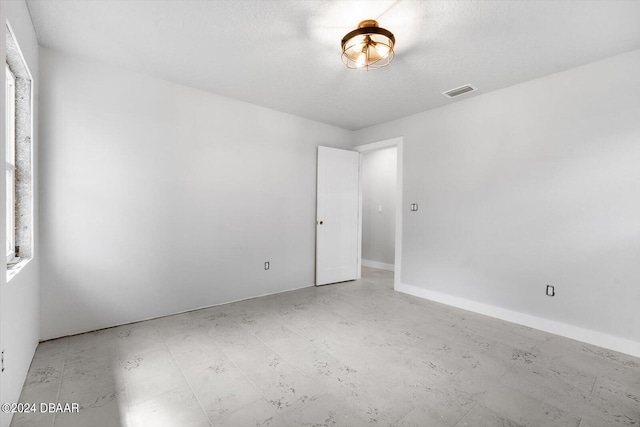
[[380, 145], [589, 336], [359, 261], [375, 146], [377, 264], [10, 160], [24, 61], [11, 273]]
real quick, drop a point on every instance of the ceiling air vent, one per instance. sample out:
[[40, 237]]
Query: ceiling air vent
[[452, 93]]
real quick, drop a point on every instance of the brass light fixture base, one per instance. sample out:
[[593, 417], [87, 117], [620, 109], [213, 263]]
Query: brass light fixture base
[[368, 46]]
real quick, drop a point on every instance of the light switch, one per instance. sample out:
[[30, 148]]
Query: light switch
[[414, 207]]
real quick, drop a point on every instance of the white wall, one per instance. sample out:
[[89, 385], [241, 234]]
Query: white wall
[[379, 190], [159, 198], [19, 298], [533, 184]]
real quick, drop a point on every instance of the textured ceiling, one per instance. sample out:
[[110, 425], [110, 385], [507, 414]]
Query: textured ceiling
[[285, 55]]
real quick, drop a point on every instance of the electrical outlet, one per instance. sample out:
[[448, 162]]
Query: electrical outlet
[[551, 291], [266, 265]]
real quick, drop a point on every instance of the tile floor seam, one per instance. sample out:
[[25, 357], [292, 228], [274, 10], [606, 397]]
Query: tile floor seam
[[285, 360], [119, 365], [544, 402], [465, 414], [64, 363], [313, 343], [245, 376], [276, 352], [297, 370], [593, 386], [506, 371], [195, 395], [125, 383], [317, 347]]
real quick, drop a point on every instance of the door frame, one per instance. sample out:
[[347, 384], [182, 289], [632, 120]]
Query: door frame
[[368, 148]]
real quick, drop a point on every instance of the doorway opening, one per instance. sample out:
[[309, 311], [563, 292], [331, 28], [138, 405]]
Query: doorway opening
[[378, 208], [380, 219]]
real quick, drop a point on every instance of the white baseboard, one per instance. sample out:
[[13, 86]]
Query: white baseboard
[[380, 265], [589, 336]]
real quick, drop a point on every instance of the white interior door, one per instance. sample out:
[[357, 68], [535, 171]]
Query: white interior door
[[337, 215]]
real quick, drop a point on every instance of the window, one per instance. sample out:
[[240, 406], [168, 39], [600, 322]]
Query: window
[[10, 109], [18, 158]]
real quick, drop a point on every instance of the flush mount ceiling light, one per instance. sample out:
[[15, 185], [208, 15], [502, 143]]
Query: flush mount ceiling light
[[368, 46]]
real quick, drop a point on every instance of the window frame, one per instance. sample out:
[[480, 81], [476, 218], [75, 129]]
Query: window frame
[[10, 161]]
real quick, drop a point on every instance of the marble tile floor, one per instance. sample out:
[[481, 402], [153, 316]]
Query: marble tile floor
[[350, 354]]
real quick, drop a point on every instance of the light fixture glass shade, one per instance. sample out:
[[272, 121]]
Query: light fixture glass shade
[[368, 46]]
